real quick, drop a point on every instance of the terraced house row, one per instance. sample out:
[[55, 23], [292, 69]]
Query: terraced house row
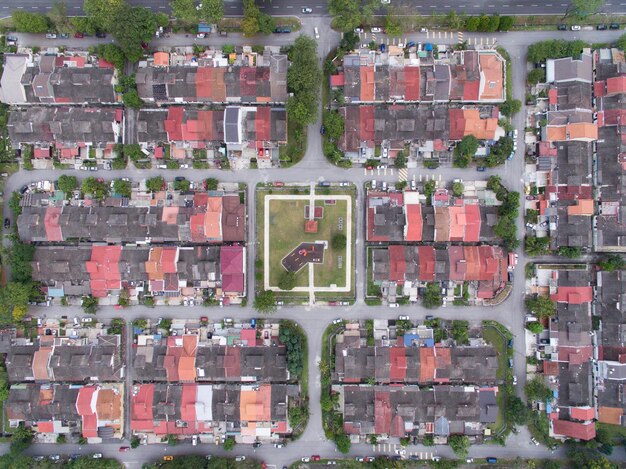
[[59, 112]]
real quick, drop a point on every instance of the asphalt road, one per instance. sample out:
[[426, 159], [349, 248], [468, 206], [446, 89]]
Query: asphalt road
[[294, 7], [314, 167]]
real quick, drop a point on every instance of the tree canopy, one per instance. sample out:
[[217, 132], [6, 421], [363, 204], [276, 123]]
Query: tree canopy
[[212, 10], [536, 390], [612, 262], [287, 280], [295, 344], [67, 184], [134, 26], [432, 296], [122, 187], [347, 14], [303, 80], [26, 22], [14, 296], [155, 184], [555, 49], [499, 152], [541, 306], [339, 241], [184, 10], [465, 151], [460, 444], [265, 302]]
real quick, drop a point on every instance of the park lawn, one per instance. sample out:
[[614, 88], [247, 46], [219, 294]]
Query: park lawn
[[285, 233], [328, 273]]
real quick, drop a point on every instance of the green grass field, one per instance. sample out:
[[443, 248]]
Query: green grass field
[[287, 231]]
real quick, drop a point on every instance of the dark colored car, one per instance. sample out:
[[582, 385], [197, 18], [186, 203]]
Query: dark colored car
[[410, 44], [492, 460], [601, 27], [382, 47], [7, 223], [179, 178], [23, 189], [79, 35], [562, 27], [614, 26], [282, 30], [480, 168], [323, 129], [101, 35]]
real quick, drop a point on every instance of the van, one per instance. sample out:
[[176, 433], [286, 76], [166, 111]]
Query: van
[[317, 33]]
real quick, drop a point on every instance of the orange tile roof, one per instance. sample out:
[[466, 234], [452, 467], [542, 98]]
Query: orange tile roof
[[109, 405], [583, 207], [585, 131], [187, 369], [40, 363], [367, 83], [482, 129], [161, 59], [490, 77], [213, 219], [612, 415], [255, 406]]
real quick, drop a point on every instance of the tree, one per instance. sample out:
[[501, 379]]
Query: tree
[[581, 9], [472, 23], [555, 49], [499, 152], [61, 439], [122, 187], [135, 25], [267, 24], [67, 184], [393, 27], [183, 185], [96, 187], [19, 257], [19, 312], [131, 99], [303, 80], [536, 75], [184, 10], [229, 444], [541, 306], [339, 241], [210, 184], [454, 21], [14, 295], [457, 189], [400, 160], [334, 124], [506, 23], [90, 304], [343, 442], [460, 444], [26, 22], [84, 24], [612, 262], [536, 246], [510, 107], [112, 54], [21, 439], [429, 188], [14, 204], [135, 441], [347, 14], [104, 13], [535, 327], [212, 10], [432, 296], [155, 184], [265, 302], [465, 151], [287, 281], [515, 411], [57, 15], [571, 252], [536, 390]]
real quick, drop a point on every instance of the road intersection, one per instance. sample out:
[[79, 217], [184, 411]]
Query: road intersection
[[314, 319]]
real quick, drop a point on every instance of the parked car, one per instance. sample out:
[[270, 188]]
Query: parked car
[[282, 30], [307, 10], [101, 35], [240, 458], [614, 26], [410, 44], [337, 321], [514, 380], [323, 129], [315, 457], [305, 459], [601, 27], [11, 40], [575, 27], [51, 36], [278, 184], [79, 35], [480, 168], [383, 47], [200, 35], [124, 449], [358, 30], [394, 305], [7, 223], [278, 445], [324, 184], [491, 460], [376, 30], [404, 318], [97, 456], [194, 440], [562, 27], [533, 441], [54, 457], [168, 457]]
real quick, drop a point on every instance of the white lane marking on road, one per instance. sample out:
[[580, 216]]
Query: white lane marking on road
[[289, 6], [446, 6], [319, 6], [232, 7]]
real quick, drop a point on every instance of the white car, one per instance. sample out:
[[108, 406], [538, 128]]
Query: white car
[[194, 440], [376, 30], [514, 380], [338, 321], [54, 36], [305, 459], [97, 456], [575, 27], [394, 305], [401, 452], [404, 318], [186, 301], [278, 445], [307, 10], [240, 458], [385, 2], [423, 30], [200, 35]]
